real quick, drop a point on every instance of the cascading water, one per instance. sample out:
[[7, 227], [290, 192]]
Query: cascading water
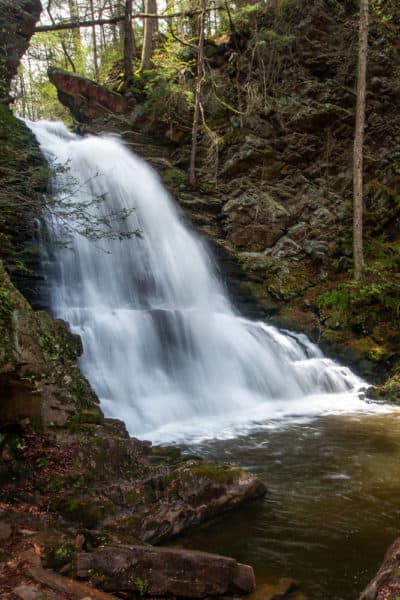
[[163, 348]]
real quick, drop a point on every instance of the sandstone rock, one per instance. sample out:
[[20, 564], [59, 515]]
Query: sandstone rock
[[386, 583], [299, 232], [27, 592], [85, 99], [17, 24], [322, 218], [165, 572], [193, 494], [317, 249], [33, 343], [254, 220], [242, 158], [286, 248]]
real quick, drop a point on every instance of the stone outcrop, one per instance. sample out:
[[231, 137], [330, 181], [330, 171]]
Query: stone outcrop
[[164, 572], [85, 99], [386, 583], [17, 24], [39, 378], [163, 506], [254, 221]]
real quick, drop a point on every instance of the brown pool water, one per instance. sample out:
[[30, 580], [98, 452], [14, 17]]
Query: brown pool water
[[333, 508]]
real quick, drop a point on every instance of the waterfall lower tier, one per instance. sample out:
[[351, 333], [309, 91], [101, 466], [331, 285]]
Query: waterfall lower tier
[[163, 348]]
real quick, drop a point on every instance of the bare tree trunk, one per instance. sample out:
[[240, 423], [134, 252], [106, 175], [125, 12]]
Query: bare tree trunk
[[95, 53], [75, 34], [128, 44], [359, 142], [197, 102], [113, 26], [67, 55], [150, 30]]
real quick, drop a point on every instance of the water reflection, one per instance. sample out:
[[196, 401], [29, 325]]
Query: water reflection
[[334, 503]]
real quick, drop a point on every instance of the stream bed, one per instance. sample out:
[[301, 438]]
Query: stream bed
[[333, 507]]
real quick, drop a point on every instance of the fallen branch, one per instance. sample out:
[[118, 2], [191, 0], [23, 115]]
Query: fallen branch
[[74, 589]]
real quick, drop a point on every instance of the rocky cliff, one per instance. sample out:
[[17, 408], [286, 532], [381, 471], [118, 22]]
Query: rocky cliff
[[275, 183]]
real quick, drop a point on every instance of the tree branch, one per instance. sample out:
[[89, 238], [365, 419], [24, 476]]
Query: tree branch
[[113, 20]]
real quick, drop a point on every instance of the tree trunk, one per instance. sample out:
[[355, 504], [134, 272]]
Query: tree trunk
[[150, 30], [128, 45], [95, 53], [68, 58], [358, 253], [76, 35], [199, 81]]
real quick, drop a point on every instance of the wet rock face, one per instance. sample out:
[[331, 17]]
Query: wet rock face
[[85, 99], [17, 24], [386, 583], [39, 378], [165, 572], [255, 221]]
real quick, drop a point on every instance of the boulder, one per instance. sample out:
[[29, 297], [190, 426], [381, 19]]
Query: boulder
[[386, 583], [242, 158], [85, 99], [255, 221], [189, 496], [164, 572]]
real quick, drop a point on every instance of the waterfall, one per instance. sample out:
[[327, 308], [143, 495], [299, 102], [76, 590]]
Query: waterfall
[[163, 347]]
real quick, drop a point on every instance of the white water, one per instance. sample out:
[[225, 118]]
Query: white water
[[163, 348]]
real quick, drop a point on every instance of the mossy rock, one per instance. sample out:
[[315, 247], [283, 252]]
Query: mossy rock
[[23, 173], [84, 511], [389, 391], [174, 177], [223, 474]]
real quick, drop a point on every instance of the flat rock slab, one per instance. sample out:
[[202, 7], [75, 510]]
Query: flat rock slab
[[27, 592], [164, 571]]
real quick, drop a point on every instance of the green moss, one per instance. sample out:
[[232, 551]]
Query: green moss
[[368, 347], [96, 575], [92, 417], [216, 473], [86, 512], [56, 557], [389, 391], [175, 177], [81, 392], [5, 304]]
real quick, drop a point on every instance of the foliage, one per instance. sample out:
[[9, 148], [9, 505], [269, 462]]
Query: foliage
[[5, 304], [376, 294]]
